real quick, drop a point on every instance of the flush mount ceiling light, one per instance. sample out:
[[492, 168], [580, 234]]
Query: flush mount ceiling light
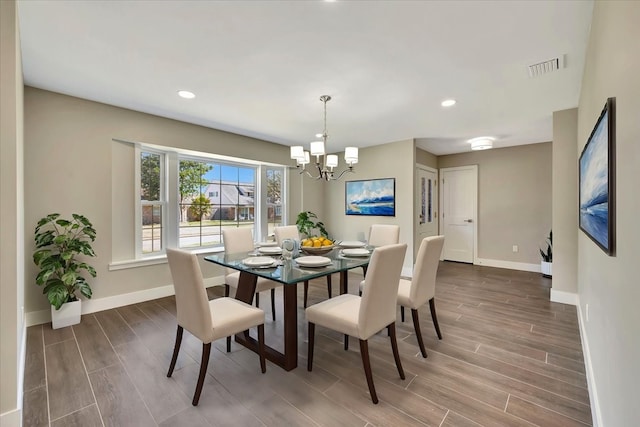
[[448, 103], [481, 143], [318, 149], [186, 94]]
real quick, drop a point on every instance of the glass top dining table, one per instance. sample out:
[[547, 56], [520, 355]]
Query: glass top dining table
[[288, 272]]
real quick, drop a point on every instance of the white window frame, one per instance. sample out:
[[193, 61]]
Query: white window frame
[[139, 203]]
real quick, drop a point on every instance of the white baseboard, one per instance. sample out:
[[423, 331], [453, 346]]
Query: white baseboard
[[564, 297], [591, 381], [106, 303], [535, 268], [11, 418]]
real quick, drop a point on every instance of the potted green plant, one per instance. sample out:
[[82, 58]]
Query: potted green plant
[[59, 243], [307, 223], [547, 257]]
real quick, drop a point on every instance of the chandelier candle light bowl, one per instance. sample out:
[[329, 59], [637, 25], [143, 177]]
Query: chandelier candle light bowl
[[318, 149]]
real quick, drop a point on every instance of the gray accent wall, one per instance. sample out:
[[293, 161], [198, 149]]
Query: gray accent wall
[[609, 285], [565, 201], [514, 199], [72, 165]]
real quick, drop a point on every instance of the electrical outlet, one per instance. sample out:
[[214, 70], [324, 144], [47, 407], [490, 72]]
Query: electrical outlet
[[515, 248]]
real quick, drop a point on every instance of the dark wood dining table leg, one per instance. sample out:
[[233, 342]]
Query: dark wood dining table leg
[[289, 359], [344, 282]]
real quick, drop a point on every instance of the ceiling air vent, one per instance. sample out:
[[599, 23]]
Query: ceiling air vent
[[545, 67]]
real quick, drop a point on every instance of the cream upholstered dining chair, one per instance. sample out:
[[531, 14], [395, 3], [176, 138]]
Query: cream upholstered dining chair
[[207, 320], [291, 232], [237, 240], [381, 235], [364, 316], [421, 288]]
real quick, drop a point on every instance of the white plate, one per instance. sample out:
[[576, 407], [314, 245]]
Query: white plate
[[355, 252], [273, 250], [313, 261], [259, 261], [265, 244], [351, 244]]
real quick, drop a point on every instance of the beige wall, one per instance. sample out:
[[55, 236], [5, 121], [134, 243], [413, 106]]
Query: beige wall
[[565, 201], [426, 158], [11, 218], [514, 199], [72, 165], [609, 284], [393, 160]]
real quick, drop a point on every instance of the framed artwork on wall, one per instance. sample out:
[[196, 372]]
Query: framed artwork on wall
[[596, 217], [375, 197]]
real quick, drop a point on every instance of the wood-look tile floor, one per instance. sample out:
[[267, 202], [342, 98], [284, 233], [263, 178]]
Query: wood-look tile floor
[[508, 357]]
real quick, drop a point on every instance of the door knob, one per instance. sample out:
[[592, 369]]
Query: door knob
[[468, 220]]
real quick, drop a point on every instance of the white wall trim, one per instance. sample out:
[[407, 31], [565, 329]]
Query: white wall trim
[[596, 414], [12, 418], [564, 297], [535, 268], [100, 304]]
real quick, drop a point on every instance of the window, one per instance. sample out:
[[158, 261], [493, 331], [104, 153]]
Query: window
[[202, 218], [152, 201], [206, 195]]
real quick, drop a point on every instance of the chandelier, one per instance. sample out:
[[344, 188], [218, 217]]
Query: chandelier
[[318, 149]]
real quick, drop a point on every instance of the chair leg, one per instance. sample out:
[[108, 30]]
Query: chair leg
[[176, 350], [312, 332], [346, 342], [432, 306], [263, 363], [204, 363], [416, 326], [306, 292], [273, 304], [329, 290], [226, 290], [228, 344], [394, 346], [257, 299], [402, 313], [364, 352]]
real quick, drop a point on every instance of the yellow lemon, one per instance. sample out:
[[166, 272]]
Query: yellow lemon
[[317, 244]]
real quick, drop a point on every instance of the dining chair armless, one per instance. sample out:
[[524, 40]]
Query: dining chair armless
[[381, 235], [421, 288], [363, 316], [237, 240], [291, 232], [204, 319]]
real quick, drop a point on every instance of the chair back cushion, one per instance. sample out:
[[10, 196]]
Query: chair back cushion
[[378, 305], [384, 234], [423, 283], [192, 303], [286, 232], [236, 240]]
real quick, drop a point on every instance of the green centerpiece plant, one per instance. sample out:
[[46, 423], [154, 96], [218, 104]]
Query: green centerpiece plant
[[307, 222]]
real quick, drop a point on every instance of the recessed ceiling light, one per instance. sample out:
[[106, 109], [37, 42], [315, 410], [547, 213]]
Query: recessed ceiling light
[[448, 102], [186, 94], [318, 135]]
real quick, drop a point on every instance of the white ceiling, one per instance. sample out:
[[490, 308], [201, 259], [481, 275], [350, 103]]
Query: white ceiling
[[258, 67]]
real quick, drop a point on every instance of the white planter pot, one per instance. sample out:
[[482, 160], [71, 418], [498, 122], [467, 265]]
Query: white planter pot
[[69, 314], [546, 268]]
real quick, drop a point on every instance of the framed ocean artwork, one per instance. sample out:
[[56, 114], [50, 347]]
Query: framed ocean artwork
[[597, 182], [376, 197]]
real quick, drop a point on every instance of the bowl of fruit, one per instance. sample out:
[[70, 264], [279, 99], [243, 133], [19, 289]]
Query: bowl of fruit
[[316, 245]]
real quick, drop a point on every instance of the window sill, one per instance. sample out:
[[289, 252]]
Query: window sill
[[156, 259]]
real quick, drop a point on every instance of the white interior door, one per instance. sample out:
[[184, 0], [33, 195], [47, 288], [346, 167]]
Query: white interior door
[[459, 212], [426, 203]]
